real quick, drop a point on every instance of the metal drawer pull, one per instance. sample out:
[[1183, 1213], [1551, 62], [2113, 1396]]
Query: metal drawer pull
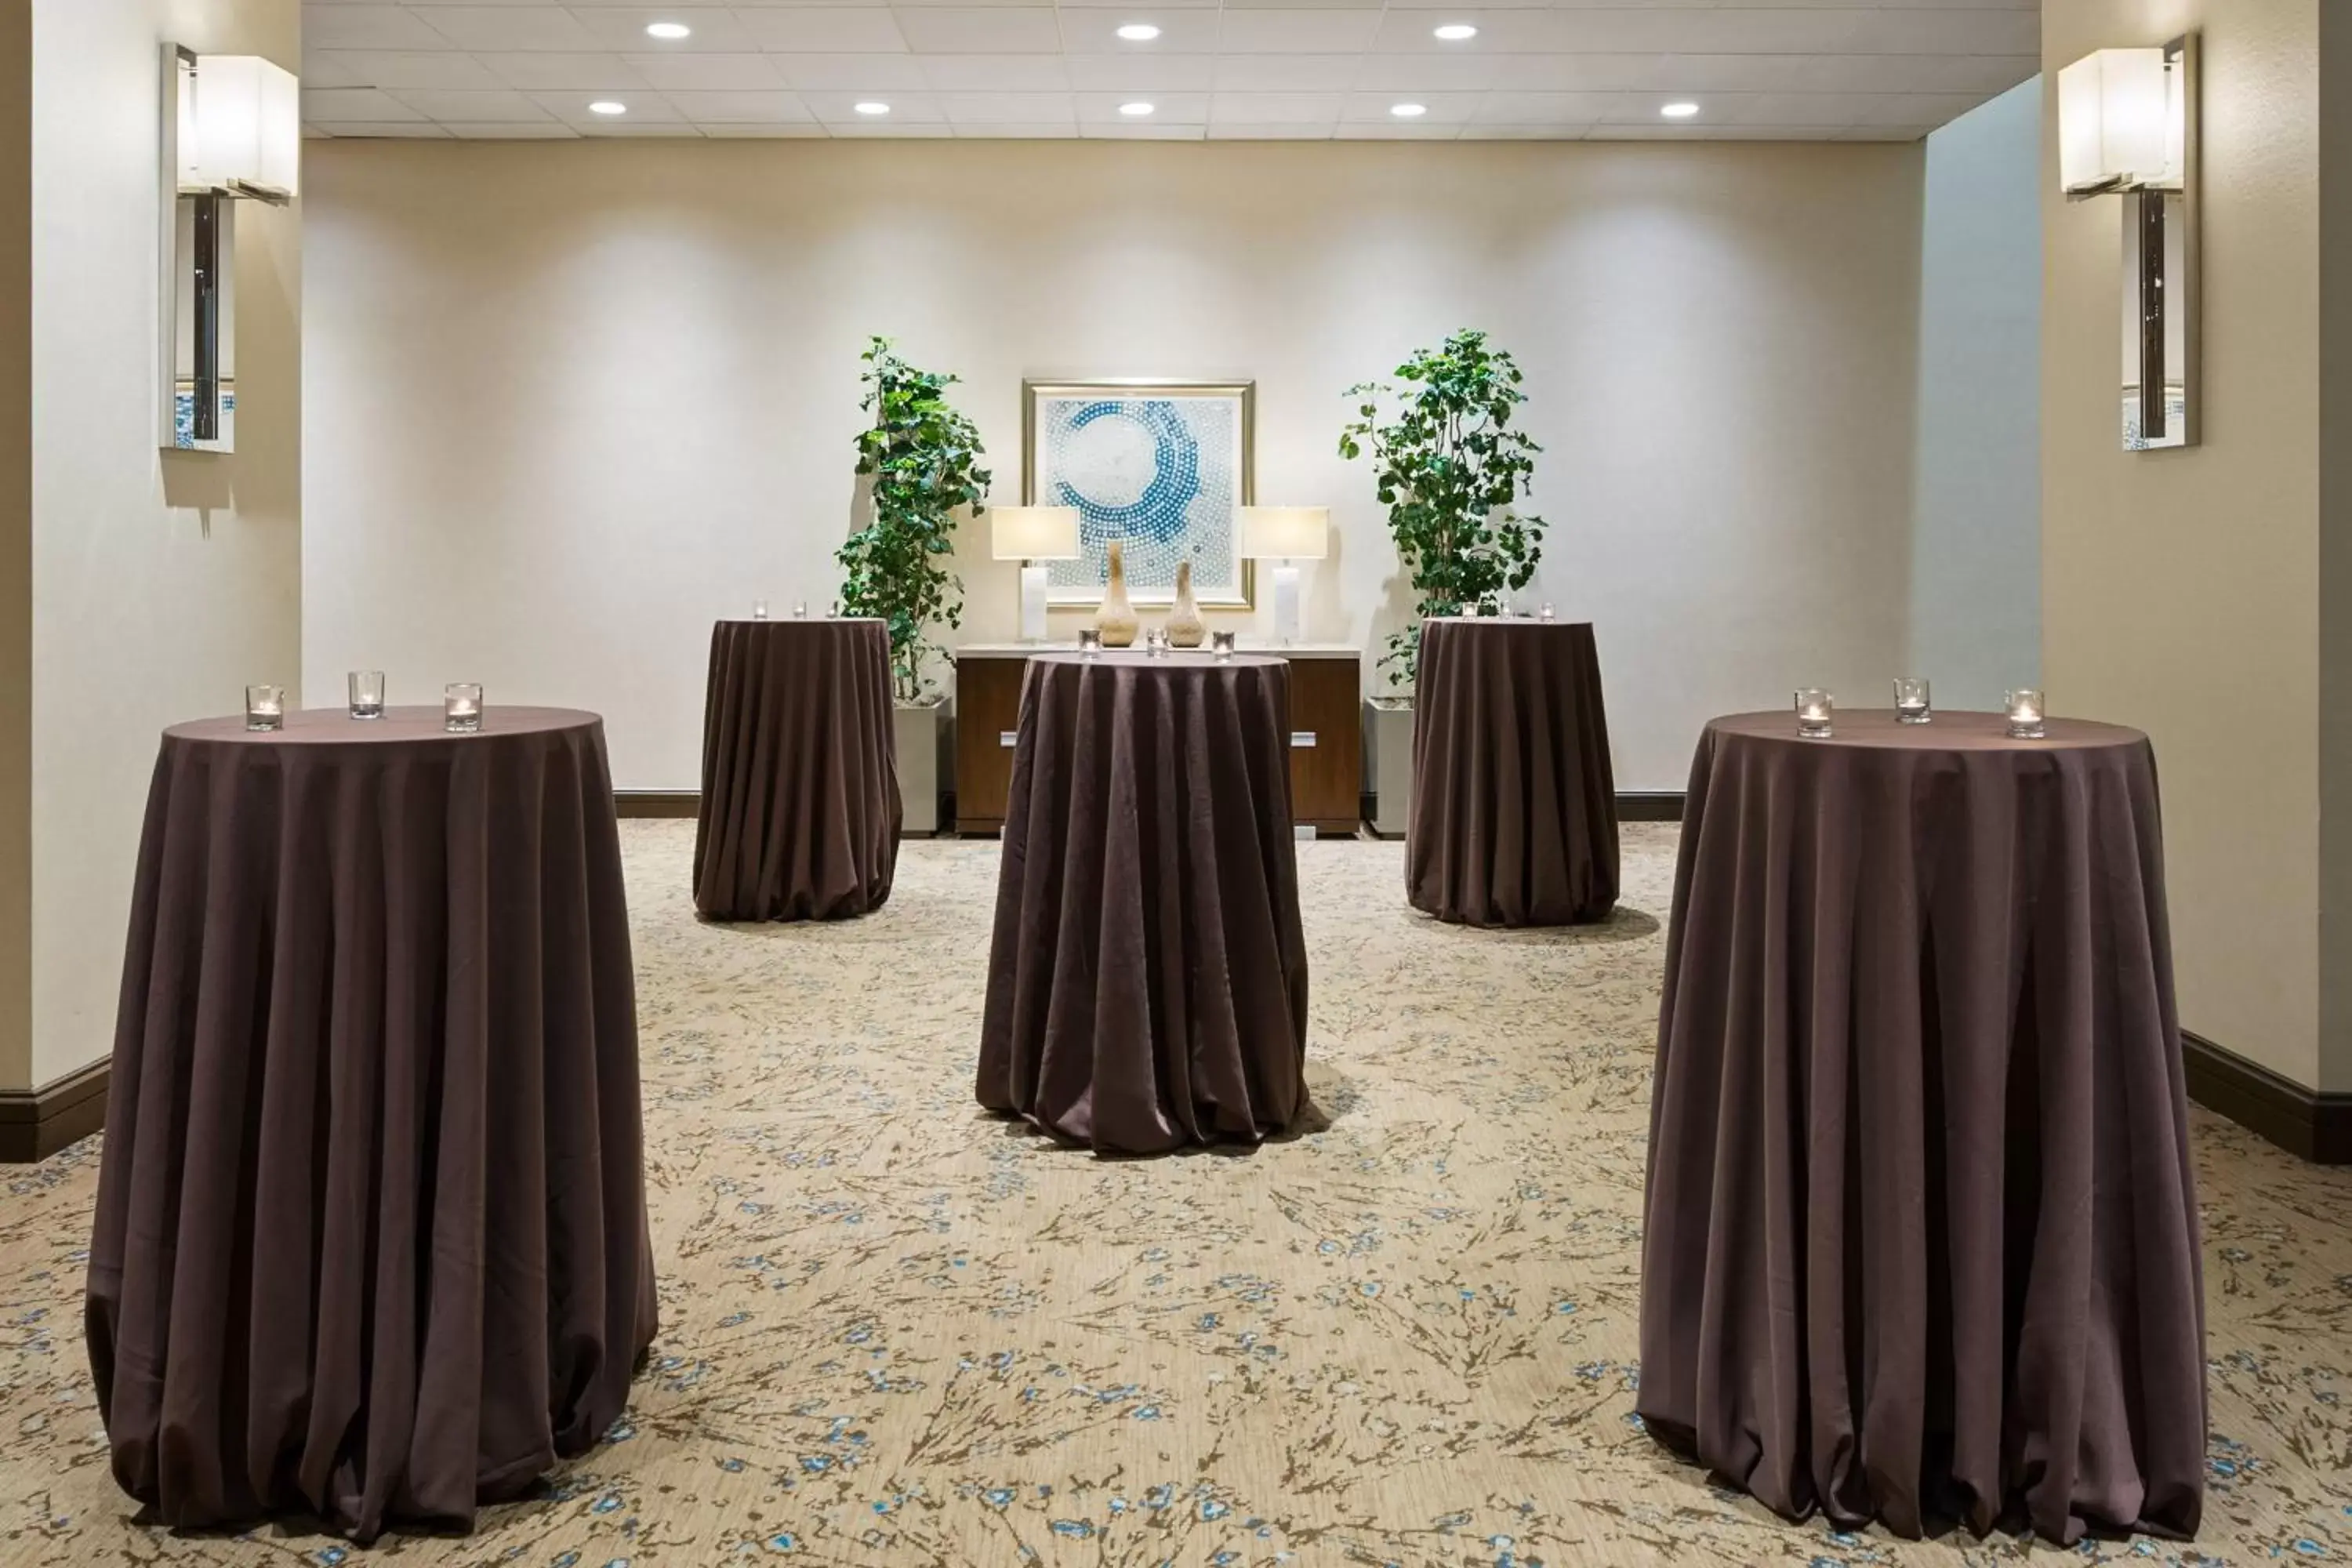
[[1302, 737], [1008, 737]]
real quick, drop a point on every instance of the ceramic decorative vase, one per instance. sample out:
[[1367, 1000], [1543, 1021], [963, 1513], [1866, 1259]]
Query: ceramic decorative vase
[[1185, 627], [1116, 620]]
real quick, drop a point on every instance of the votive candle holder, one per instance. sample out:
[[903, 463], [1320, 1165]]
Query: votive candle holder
[[1814, 706], [461, 707], [1221, 645], [265, 707], [2026, 715], [366, 689], [1913, 703], [1091, 643]]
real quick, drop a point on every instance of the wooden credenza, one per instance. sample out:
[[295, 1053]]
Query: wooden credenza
[[1327, 734]]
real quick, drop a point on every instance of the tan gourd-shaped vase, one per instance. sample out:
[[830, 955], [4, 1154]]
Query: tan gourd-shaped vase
[[1116, 620], [1185, 627]]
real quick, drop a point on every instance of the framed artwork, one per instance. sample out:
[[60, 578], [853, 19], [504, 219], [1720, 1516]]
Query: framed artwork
[[1161, 465]]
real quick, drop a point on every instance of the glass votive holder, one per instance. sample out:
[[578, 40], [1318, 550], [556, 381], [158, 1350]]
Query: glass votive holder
[[1090, 642], [1813, 708], [800, 609], [2025, 715], [833, 614], [1547, 613], [1155, 644], [1912, 705], [758, 609], [264, 707], [1221, 645], [366, 688], [461, 707]]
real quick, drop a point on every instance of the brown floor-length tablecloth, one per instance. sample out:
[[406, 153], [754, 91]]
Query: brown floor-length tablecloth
[[370, 1237], [800, 810], [1514, 806], [1147, 980], [1921, 1235]]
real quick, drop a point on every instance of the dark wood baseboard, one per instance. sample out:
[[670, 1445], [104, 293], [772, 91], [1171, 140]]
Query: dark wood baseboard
[[36, 1123], [2305, 1122], [1650, 806], [666, 803]]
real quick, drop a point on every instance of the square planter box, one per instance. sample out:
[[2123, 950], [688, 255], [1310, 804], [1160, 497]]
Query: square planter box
[[1387, 747], [919, 726]]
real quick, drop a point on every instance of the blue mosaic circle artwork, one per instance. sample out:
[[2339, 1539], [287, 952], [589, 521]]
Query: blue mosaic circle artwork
[[1159, 474]]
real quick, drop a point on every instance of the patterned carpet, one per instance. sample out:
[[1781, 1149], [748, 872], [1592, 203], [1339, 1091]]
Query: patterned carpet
[[896, 1332]]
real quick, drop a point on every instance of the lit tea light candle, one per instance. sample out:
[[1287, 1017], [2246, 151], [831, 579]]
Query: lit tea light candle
[[1814, 709], [1911, 701], [1090, 642], [2025, 715], [264, 707], [758, 609], [1546, 614], [1221, 645], [800, 610], [366, 688], [461, 707]]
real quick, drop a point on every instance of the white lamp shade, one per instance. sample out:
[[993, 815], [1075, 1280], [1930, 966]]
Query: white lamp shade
[[246, 126], [2121, 123], [1285, 533], [1033, 532]]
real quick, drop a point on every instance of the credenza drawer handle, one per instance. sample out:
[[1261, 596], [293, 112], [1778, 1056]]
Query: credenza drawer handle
[[1302, 737], [1008, 737]]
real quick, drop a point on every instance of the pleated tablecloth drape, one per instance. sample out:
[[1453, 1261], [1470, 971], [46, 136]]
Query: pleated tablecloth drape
[[1147, 978], [1513, 805], [1921, 1238], [799, 812], [371, 1238]]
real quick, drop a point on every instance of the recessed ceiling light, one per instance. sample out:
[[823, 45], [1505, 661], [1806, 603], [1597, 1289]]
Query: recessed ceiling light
[[1679, 110], [870, 108], [669, 30], [1407, 110], [1455, 32], [606, 106], [1139, 32], [1134, 110]]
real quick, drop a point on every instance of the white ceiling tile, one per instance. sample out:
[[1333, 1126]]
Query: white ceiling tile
[[498, 103], [1293, 131], [564, 73], [1009, 109], [852, 73], [328, 105], [1396, 130], [1167, 108], [623, 27], [572, 107], [1180, 32], [515, 131], [1139, 131], [878, 130], [324, 71], [1437, 107], [1545, 107], [1052, 129], [1142, 10], [997, 73], [979, 30], [1287, 73], [620, 131], [1276, 108], [1297, 32], [1130, 73], [391, 130], [448, 68], [708, 73], [367, 28], [826, 30], [1479, 131], [840, 108], [509, 26], [744, 130], [756, 108], [1431, 73]]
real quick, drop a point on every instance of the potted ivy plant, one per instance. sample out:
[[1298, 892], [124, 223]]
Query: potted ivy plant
[[923, 458], [1450, 468]]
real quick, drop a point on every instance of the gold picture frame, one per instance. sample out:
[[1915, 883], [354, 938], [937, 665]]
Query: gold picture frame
[[1147, 461]]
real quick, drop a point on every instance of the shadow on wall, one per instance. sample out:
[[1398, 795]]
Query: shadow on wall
[[201, 482]]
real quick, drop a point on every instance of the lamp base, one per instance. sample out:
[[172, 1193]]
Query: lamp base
[[1033, 603], [1285, 605]]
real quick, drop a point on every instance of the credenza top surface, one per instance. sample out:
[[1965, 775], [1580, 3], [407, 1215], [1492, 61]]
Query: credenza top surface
[[1026, 650]]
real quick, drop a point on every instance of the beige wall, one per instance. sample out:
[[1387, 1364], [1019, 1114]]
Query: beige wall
[[566, 404], [2181, 589], [16, 547], [160, 585]]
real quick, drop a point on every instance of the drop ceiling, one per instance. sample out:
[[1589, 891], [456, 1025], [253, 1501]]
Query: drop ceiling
[[1856, 70]]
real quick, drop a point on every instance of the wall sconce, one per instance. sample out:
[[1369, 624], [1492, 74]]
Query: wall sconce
[[2127, 127], [232, 132]]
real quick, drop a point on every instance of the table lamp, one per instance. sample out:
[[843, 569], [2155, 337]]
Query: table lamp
[[1030, 534], [1285, 533]]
